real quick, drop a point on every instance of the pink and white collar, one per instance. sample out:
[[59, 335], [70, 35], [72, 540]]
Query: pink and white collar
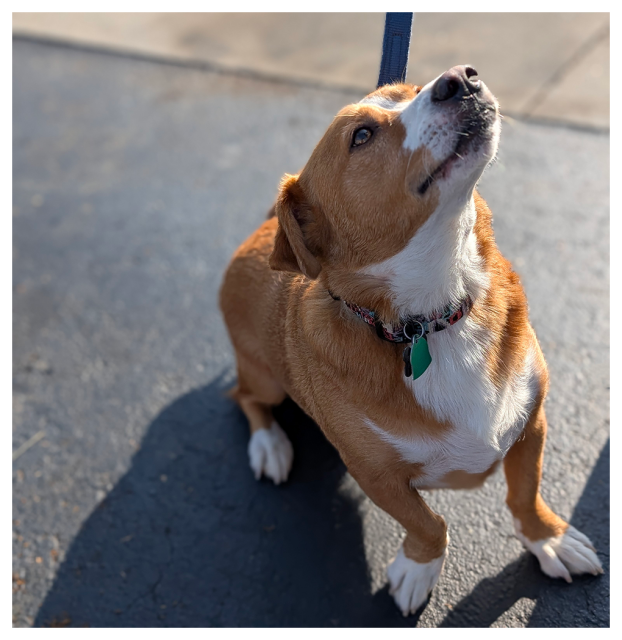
[[412, 327]]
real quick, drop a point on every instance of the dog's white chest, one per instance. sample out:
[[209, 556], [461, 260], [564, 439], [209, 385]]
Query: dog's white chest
[[457, 390]]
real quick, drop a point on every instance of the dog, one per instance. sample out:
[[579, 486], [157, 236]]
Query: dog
[[374, 295]]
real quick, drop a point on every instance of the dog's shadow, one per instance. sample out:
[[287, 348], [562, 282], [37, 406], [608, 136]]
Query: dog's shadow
[[189, 538], [584, 603]]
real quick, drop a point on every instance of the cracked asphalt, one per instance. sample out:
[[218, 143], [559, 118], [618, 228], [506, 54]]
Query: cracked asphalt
[[134, 505]]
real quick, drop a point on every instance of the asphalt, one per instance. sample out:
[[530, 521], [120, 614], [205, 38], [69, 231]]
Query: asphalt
[[133, 183]]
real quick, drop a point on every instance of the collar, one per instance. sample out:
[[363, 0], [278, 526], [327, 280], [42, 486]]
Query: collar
[[411, 328]]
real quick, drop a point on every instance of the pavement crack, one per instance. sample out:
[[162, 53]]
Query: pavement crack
[[134, 601], [155, 585], [565, 69], [167, 533], [152, 589]]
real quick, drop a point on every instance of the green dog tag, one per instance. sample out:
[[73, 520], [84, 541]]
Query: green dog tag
[[420, 357]]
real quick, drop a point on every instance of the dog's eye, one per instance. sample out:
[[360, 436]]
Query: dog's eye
[[361, 136]]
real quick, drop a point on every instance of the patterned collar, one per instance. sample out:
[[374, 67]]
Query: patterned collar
[[411, 327]]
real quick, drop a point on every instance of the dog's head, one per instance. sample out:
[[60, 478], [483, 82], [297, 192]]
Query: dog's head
[[382, 168]]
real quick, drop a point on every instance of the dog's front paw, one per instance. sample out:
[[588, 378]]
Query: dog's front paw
[[411, 582], [271, 453], [559, 556]]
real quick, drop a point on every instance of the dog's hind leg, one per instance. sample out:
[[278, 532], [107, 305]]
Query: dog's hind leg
[[270, 452]]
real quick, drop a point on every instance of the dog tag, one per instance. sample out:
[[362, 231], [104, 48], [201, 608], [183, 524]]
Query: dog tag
[[420, 357], [407, 368]]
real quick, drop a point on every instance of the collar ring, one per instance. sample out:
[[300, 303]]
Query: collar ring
[[417, 334]]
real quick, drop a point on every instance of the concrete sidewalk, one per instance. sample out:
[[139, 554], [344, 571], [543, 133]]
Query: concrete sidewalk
[[551, 66], [134, 505]]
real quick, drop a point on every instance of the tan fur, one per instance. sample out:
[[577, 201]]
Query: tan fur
[[504, 310], [523, 471], [291, 337]]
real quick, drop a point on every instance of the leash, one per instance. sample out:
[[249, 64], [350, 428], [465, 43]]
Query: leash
[[395, 45]]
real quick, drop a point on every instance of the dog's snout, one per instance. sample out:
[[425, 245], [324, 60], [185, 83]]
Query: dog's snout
[[456, 83]]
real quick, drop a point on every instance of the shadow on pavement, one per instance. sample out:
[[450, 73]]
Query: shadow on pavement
[[556, 602], [188, 538]]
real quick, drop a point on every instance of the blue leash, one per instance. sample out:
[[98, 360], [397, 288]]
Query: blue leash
[[395, 44]]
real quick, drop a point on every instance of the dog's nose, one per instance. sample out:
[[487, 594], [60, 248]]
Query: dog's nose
[[456, 83]]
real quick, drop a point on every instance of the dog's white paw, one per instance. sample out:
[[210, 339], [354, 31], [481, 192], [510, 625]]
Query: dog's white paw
[[271, 453], [411, 582], [559, 556]]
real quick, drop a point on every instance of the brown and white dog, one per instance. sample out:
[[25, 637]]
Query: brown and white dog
[[384, 220]]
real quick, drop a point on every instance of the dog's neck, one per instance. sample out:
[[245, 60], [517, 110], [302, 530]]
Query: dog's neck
[[440, 265]]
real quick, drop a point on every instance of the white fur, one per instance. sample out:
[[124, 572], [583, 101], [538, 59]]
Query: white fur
[[439, 265], [560, 556], [437, 127], [270, 453], [434, 126], [386, 103], [485, 422], [426, 125], [411, 582]]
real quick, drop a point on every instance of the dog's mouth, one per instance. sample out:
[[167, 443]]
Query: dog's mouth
[[474, 131]]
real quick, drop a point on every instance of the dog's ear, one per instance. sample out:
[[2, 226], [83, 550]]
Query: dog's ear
[[291, 250]]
